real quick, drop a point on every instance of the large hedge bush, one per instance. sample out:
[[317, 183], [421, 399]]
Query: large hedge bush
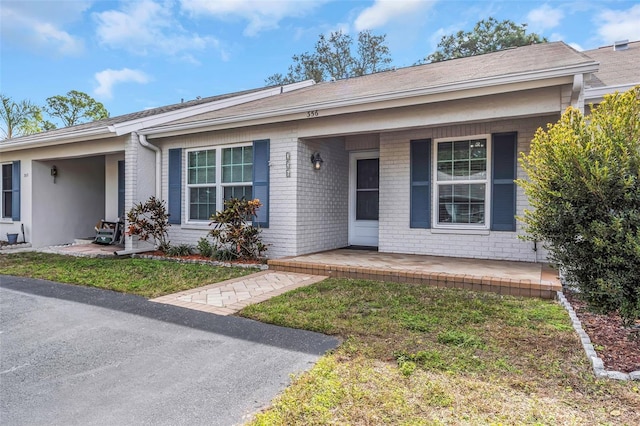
[[583, 185]]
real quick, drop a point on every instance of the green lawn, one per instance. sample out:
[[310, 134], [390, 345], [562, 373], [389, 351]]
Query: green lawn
[[411, 355], [144, 277], [416, 355]]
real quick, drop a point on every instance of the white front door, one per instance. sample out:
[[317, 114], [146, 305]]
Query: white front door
[[363, 198]]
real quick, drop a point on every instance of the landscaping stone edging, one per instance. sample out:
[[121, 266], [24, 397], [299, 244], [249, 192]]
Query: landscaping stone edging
[[596, 361], [262, 267]]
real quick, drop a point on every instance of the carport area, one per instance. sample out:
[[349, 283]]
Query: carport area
[[70, 195]]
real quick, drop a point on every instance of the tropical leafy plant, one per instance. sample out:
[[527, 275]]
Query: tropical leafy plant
[[233, 232], [150, 220]]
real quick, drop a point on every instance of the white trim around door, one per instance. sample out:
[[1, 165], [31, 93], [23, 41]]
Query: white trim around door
[[364, 175]]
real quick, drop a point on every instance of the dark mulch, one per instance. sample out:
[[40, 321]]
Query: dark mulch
[[618, 346]]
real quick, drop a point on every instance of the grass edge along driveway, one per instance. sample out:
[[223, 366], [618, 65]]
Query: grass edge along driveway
[[412, 355], [418, 355], [144, 277]]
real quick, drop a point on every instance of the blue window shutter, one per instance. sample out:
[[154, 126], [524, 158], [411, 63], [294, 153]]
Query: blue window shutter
[[420, 216], [261, 181], [121, 189], [503, 187], [15, 191], [175, 185]]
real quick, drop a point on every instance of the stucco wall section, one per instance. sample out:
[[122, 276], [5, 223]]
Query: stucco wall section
[[395, 234], [322, 205], [70, 207]]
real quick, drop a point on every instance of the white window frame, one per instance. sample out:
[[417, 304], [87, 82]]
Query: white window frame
[[2, 190], [487, 181], [219, 185]]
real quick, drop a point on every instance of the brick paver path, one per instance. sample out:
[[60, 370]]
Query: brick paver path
[[228, 297]]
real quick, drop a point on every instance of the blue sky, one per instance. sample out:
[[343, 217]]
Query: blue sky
[[133, 55]]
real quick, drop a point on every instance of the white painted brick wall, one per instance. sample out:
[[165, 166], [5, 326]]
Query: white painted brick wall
[[322, 205], [395, 234], [281, 234]]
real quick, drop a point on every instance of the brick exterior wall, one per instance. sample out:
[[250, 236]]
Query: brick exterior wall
[[395, 234], [322, 201]]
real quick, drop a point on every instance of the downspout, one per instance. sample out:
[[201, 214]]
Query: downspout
[[576, 91], [142, 139]]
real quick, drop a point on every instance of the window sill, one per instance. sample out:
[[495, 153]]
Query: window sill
[[198, 226], [460, 231]]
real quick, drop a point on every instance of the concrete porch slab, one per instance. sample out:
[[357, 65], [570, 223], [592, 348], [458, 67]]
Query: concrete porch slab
[[498, 276]]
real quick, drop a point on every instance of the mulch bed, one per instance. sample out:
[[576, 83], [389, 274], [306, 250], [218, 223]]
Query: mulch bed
[[617, 346]]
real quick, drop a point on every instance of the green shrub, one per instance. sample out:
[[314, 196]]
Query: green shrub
[[583, 185], [180, 250], [205, 248]]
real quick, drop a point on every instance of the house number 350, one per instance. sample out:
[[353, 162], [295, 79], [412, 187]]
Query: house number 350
[[312, 114]]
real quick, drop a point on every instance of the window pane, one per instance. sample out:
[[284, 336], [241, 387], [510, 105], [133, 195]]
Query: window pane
[[202, 167], [239, 192], [367, 174], [445, 151], [461, 203], [469, 160], [237, 164], [202, 203], [461, 150], [367, 205], [7, 204]]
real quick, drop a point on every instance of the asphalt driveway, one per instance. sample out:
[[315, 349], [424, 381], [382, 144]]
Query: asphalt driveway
[[73, 355]]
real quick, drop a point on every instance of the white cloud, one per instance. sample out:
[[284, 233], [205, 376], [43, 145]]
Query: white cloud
[[544, 17], [144, 27], [39, 25], [108, 78], [262, 15], [384, 11], [614, 25]]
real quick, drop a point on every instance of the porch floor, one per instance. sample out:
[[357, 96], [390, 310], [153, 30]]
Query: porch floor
[[499, 276]]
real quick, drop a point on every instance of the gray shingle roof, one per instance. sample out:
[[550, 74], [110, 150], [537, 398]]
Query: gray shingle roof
[[532, 58], [616, 66], [63, 131]]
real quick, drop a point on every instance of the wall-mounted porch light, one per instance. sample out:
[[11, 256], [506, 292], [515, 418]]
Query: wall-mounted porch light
[[317, 161], [54, 173]]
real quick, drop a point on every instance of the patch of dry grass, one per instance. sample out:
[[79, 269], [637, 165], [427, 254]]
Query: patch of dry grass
[[417, 355]]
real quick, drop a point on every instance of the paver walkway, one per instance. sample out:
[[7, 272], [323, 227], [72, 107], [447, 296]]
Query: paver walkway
[[228, 297]]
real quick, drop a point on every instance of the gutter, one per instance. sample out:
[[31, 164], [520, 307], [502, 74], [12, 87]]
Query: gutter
[[596, 94], [142, 139]]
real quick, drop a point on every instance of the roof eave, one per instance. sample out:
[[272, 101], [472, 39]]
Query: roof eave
[[43, 139], [596, 94], [199, 126]]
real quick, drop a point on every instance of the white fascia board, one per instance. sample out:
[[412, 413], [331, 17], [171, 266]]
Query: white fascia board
[[38, 140], [159, 119], [597, 93], [448, 92]]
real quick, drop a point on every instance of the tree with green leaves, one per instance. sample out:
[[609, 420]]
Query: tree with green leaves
[[333, 58], [75, 108], [21, 118], [488, 35], [584, 186]]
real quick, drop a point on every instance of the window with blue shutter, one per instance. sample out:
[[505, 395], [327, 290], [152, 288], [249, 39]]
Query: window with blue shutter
[[420, 215], [503, 187], [175, 186], [261, 181], [15, 191]]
